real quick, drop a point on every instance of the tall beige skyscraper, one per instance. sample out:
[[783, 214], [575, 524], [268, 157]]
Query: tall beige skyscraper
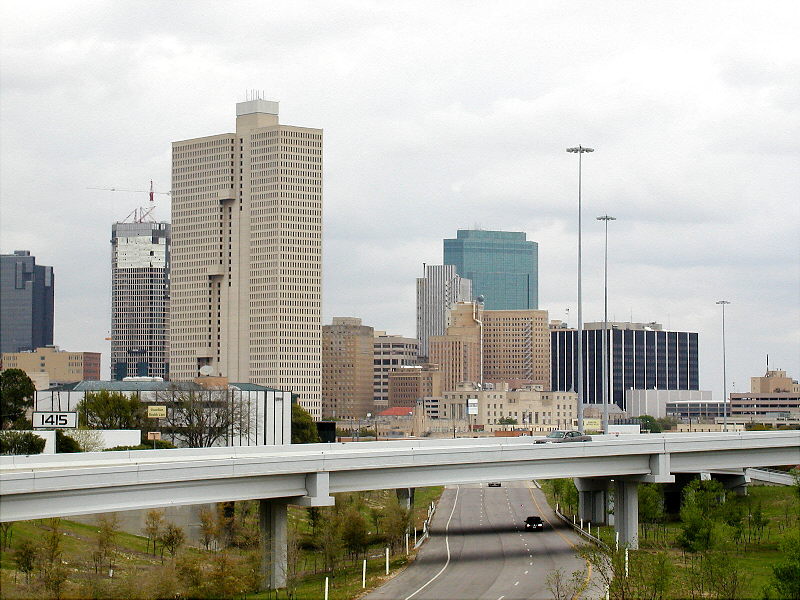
[[247, 254]]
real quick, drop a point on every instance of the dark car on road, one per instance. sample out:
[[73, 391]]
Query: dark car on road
[[533, 523], [559, 435]]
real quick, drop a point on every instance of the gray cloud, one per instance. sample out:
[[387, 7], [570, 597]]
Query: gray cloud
[[437, 117]]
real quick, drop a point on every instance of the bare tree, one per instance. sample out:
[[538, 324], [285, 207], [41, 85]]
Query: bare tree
[[566, 588], [153, 523], [89, 440], [204, 418]]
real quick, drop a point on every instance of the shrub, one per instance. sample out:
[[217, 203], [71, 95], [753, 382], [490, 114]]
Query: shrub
[[20, 443]]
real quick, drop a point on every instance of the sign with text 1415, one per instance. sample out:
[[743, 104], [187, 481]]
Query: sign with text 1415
[[57, 420]]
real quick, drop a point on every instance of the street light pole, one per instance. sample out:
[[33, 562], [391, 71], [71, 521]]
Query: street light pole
[[579, 150], [606, 341], [724, 371]]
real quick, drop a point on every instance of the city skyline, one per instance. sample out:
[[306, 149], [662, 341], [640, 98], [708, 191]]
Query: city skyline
[[695, 136]]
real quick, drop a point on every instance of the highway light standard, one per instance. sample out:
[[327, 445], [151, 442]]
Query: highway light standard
[[606, 348], [579, 150], [724, 371]]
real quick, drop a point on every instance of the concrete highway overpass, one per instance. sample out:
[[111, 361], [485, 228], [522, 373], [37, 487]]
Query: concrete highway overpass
[[72, 484]]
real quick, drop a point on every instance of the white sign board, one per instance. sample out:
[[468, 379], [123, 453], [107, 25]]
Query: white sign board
[[55, 420], [472, 406]]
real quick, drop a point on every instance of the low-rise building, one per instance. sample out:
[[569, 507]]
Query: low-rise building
[[263, 415], [774, 399], [60, 366], [531, 408]]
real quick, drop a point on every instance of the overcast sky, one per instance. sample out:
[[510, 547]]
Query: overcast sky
[[438, 116]]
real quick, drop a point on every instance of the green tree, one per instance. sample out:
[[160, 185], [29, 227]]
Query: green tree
[[396, 522], [65, 444], [209, 529], [786, 574], [25, 558], [650, 423], [329, 538], [54, 575], [20, 443], [16, 391], [354, 531], [304, 430], [651, 505], [111, 410], [107, 526], [507, 421], [700, 510]]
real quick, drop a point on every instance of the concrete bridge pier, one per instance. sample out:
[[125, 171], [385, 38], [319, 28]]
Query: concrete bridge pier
[[274, 524], [626, 512], [592, 499], [273, 517], [405, 496]]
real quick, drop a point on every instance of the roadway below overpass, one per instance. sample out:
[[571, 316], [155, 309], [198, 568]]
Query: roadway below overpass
[[86, 483], [479, 548]]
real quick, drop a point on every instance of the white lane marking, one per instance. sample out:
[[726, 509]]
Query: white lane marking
[[530, 563], [516, 583], [501, 598], [447, 545], [525, 573]]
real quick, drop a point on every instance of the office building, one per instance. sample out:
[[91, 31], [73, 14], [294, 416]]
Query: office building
[[502, 265], [26, 303], [390, 352], [347, 369], [531, 407], [680, 404], [437, 291], [492, 346], [246, 262], [140, 254], [774, 399], [59, 366], [407, 385], [641, 356]]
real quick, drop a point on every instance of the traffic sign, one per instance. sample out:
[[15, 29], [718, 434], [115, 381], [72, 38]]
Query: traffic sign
[[157, 411]]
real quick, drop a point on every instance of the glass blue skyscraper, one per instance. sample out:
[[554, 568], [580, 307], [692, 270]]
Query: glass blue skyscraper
[[503, 267]]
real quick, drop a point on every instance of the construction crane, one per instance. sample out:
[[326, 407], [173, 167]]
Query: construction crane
[[141, 214]]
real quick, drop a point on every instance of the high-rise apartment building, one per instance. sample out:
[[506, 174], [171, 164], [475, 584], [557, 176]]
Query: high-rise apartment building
[[493, 346], [60, 366], [502, 265], [641, 356], [26, 302], [246, 268], [347, 369], [436, 293], [390, 352], [140, 255]]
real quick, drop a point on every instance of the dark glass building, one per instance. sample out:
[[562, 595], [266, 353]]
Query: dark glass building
[[641, 357], [26, 303], [503, 267]]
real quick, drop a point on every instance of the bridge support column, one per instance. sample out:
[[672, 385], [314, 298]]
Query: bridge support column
[[592, 499], [626, 512], [736, 482], [274, 525], [405, 496]]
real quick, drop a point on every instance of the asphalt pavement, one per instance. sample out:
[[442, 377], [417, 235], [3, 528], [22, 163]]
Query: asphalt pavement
[[479, 548]]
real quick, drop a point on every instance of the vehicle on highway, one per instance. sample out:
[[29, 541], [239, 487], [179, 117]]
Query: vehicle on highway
[[493, 484], [559, 435], [533, 523]]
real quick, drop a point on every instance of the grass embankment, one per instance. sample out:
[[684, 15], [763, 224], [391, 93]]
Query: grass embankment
[[753, 552], [199, 573]]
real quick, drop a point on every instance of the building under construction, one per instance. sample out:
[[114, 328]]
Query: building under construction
[[140, 299]]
